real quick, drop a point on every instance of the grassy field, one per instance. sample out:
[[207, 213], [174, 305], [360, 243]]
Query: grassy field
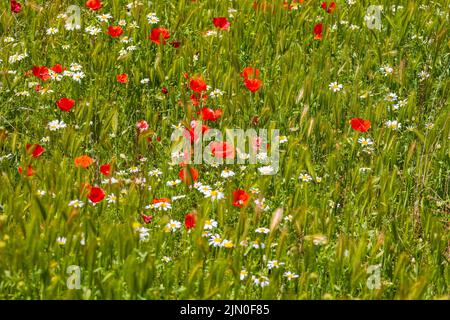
[[92, 205]]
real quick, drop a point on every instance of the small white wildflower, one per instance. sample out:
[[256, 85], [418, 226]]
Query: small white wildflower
[[423, 75], [262, 230], [61, 241], [365, 141], [393, 124], [227, 173], [112, 198], [162, 206], [290, 276], [173, 183], [243, 274], [216, 93], [335, 87], [304, 177], [56, 125], [104, 17], [210, 224], [214, 194], [274, 264], [76, 203], [152, 18], [261, 281], [173, 225], [266, 170], [215, 240], [391, 97], [52, 30]]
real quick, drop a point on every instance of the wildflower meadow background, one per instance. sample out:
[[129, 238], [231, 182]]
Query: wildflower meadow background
[[93, 204]]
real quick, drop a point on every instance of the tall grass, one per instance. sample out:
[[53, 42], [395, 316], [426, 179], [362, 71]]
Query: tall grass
[[387, 207]]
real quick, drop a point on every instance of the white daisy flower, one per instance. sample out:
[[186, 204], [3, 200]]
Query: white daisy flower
[[393, 124], [290, 276], [173, 183], [210, 224], [104, 17], [61, 241], [365, 141], [56, 125], [261, 281], [173, 225], [51, 31], [112, 198], [162, 206], [214, 194], [227, 173], [274, 264], [304, 177], [262, 230], [215, 240], [76, 203], [152, 18], [335, 87], [391, 97]]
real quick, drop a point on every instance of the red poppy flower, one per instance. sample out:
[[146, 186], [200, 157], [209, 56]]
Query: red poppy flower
[[83, 161], [209, 114], [142, 125], [188, 177], [57, 68], [35, 149], [158, 200], [360, 124], [293, 5], [196, 97], [65, 104], [175, 44], [197, 84], [253, 84], [16, 7], [221, 22], [164, 90], [94, 4], [105, 169], [147, 219], [30, 171], [221, 149], [189, 220], [240, 198], [96, 194], [318, 29], [331, 7], [41, 72], [250, 72], [122, 78], [159, 34], [115, 31], [192, 134]]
